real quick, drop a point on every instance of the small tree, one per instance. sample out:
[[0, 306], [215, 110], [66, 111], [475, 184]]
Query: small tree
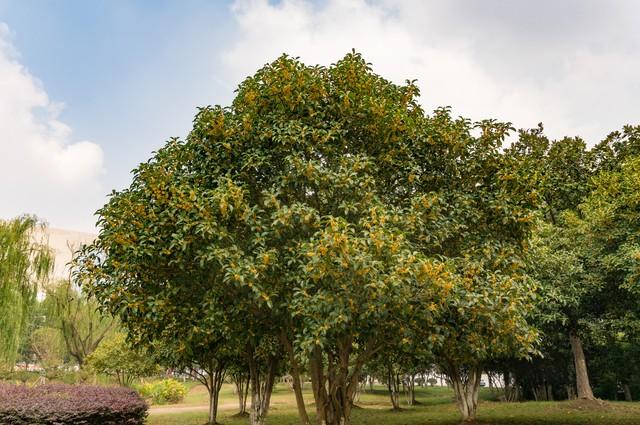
[[77, 317], [114, 357], [47, 346]]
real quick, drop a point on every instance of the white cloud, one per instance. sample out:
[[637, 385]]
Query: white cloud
[[574, 67], [42, 170]]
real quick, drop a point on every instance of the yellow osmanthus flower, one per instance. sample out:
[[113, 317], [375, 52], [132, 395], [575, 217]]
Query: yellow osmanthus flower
[[223, 207]]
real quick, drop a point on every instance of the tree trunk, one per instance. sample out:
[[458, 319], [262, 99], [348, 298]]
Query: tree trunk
[[297, 384], [394, 387], [627, 392], [466, 390], [242, 390], [246, 397], [261, 389], [213, 409], [334, 390], [507, 386], [411, 389], [213, 379], [582, 376]]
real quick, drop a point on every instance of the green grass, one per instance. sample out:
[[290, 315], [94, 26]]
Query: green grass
[[436, 408]]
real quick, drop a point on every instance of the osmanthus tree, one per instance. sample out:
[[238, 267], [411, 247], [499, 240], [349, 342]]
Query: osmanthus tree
[[471, 205], [305, 220], [172, 261], [199, 350], [406, 355], [25, 265], [486, 319]]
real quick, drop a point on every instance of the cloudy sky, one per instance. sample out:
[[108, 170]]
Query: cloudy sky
[[89, 89]]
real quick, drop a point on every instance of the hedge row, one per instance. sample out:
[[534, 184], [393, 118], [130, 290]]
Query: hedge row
[[60, 404]]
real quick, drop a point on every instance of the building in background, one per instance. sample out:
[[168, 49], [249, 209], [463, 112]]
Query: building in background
[[64, 243]]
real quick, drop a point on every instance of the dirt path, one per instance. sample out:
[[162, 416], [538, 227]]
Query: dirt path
[[177, 408]]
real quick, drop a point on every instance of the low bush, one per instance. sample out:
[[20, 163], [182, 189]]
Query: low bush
[[163, 392], [145, 390], [60, 404]]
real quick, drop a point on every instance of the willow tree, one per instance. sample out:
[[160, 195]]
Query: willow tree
[[82, 326], [25, 264]]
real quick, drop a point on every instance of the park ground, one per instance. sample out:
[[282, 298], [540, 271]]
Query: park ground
[[436, 407]]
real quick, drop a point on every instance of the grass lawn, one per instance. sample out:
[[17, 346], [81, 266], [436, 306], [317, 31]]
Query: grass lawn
[[436, 407]]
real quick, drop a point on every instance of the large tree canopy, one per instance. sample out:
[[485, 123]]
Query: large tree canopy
[[316, 217]]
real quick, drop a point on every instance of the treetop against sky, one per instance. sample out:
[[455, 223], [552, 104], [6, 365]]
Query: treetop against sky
[[89, 89]]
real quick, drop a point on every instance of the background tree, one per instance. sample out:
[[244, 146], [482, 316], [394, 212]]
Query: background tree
[[48, 347], [114, 357], [25, 265], [76, 316], [560, 172], [608, 233], [200, 349]]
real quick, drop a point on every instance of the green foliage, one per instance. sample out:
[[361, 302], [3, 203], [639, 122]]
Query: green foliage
[[167, 391], [48, 347], [114, 357], [25, 264], [77, 318], [325, 212]]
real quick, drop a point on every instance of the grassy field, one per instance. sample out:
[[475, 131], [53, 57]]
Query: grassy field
[[436, 408]]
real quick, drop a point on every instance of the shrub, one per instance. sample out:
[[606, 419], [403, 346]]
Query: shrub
[[60, 404], [145, 390], [162, 392]]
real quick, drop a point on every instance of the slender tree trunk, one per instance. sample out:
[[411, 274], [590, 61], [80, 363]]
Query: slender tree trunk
[[582, 376], [242, 390], [393, 386], [411, 389], [213, 409], [297, 384], [213, 380], [246, 396], [261, 389], [627, 392], [507, 386]]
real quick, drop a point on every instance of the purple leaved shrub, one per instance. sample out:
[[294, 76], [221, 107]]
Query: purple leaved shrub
[[60, 404]]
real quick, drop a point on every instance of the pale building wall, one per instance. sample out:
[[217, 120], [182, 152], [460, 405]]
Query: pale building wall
[[63, 243]]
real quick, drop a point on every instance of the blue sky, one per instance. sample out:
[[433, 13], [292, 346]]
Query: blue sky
[[129, 73], [88, 89]]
